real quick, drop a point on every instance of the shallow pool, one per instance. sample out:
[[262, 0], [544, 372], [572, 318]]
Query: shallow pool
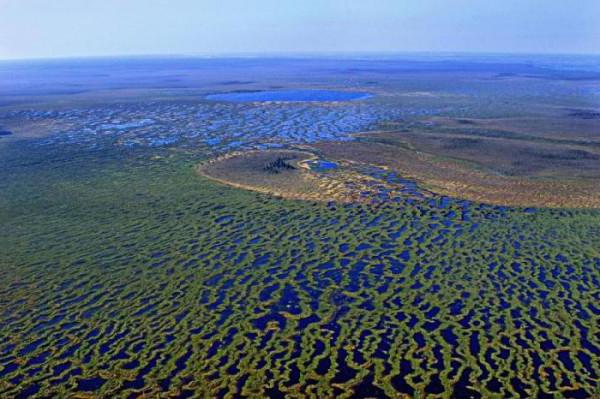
[[322, 166]]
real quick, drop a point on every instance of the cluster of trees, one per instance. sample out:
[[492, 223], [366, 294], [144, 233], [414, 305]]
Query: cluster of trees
[[278, 165]]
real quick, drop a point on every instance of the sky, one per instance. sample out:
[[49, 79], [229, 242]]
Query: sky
[[73, 28]]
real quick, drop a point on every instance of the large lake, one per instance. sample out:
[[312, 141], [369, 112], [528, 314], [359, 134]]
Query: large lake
[[301, 95]]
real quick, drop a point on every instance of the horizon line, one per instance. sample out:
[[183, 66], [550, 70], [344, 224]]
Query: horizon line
[[300, 54]]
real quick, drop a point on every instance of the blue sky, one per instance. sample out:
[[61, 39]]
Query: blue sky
[[58, 28]]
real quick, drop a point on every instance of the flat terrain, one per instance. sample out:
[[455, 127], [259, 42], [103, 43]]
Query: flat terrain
[[461, 176], [250, 170], [438, 239]]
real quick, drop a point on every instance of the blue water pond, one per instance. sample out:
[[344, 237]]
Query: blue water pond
[[300, 95], [322, 166]]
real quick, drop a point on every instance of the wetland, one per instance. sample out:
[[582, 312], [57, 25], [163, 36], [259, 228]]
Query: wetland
[[437, 238]]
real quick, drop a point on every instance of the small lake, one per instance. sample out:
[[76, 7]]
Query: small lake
[[322, 166], [302, 95]]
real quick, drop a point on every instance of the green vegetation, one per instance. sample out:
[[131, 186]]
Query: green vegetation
[[127, 272]]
